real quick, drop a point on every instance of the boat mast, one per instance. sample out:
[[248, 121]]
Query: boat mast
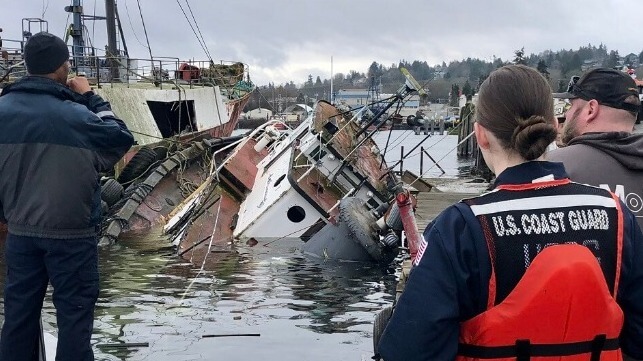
[[112, 52], [76, 31]]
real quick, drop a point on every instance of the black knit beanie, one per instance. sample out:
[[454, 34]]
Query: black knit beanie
[[44, 53]]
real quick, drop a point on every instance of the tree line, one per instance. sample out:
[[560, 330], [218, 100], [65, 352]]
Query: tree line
[[443, 81]]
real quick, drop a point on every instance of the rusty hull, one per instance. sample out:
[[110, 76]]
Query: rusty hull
[[363, 159]]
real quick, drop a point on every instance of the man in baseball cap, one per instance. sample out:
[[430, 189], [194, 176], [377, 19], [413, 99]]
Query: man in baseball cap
[[601, 147], [609, 87]]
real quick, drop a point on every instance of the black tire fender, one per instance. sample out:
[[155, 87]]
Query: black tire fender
[[139, 163], [361, 224], [111, 191]]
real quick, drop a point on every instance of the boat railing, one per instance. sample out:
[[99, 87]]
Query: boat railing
[[11, 58], [232, 77], [159, 70]]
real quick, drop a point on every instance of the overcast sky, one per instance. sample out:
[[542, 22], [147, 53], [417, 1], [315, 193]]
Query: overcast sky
[[283, 40]]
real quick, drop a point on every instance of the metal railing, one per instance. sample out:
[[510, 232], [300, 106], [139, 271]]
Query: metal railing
[[232, 77]]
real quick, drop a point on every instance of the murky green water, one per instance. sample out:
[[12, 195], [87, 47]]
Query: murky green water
[[280, 304]]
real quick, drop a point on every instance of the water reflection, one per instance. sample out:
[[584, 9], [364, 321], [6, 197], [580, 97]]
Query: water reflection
[[302, 308]]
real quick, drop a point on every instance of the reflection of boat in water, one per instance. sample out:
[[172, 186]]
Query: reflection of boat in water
[[325, 182], [178, 111]]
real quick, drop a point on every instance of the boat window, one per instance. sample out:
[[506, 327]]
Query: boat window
[[173, 119], [279, 180], [296, 214]]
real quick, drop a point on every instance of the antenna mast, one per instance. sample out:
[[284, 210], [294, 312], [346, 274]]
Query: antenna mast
[[112, 49]]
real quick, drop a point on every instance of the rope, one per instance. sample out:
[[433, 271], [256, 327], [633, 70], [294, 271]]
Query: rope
[[157, 137], [438, 161], [293, 232]]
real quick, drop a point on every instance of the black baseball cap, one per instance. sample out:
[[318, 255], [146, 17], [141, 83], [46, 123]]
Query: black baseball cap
[[609, 87]]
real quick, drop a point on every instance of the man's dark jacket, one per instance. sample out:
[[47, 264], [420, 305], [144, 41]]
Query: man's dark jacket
[[53, 145]]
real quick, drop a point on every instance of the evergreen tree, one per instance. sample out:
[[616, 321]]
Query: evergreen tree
[[467, 90], [481, 80], [542, 68], [641, 57], [375, 71], [454, 95], [612, 59], [309, 82], [318, 82], [519, 57]]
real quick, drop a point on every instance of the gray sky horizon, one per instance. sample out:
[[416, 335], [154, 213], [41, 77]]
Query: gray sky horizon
[[284, 40]]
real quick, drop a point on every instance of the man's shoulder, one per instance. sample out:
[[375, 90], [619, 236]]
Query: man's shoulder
[[570, 152]]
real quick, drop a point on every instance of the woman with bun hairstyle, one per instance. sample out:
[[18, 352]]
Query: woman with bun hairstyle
[[537, 267]]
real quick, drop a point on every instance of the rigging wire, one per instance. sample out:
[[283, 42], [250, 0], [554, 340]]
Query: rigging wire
[[89, 39], [194, 31], [207, 51], [67, 24], [132, 26], [267, 101], [93, 24], [147, 39], [44, 8]]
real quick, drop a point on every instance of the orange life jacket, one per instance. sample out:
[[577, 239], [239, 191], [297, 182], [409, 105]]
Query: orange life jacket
[[561, 309], [562, 306]]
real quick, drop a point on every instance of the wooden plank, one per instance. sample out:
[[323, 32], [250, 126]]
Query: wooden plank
[[430, 204], [420, 184]]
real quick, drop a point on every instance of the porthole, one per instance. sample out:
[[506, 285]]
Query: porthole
[[296, 214]]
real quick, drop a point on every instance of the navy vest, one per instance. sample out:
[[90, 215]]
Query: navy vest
[[519, 221]]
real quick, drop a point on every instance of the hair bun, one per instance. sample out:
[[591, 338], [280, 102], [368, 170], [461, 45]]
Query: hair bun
[[532, 136]]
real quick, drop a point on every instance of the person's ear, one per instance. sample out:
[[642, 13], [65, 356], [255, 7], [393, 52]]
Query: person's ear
[[593, 107], [481, 136]]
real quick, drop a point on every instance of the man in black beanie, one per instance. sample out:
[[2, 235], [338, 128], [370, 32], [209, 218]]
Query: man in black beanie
[[56, 137]]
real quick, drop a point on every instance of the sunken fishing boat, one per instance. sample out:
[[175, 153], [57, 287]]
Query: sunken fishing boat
[[325, 182]]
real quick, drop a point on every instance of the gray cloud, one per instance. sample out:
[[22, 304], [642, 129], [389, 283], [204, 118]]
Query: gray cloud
[[284, 40]]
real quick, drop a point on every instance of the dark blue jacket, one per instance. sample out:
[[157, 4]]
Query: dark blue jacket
[[53, 145], [451, 281]]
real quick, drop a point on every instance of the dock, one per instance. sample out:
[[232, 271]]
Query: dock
[[444, 192]]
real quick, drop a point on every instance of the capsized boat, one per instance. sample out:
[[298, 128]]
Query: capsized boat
[[178, 111], [325, 182]]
